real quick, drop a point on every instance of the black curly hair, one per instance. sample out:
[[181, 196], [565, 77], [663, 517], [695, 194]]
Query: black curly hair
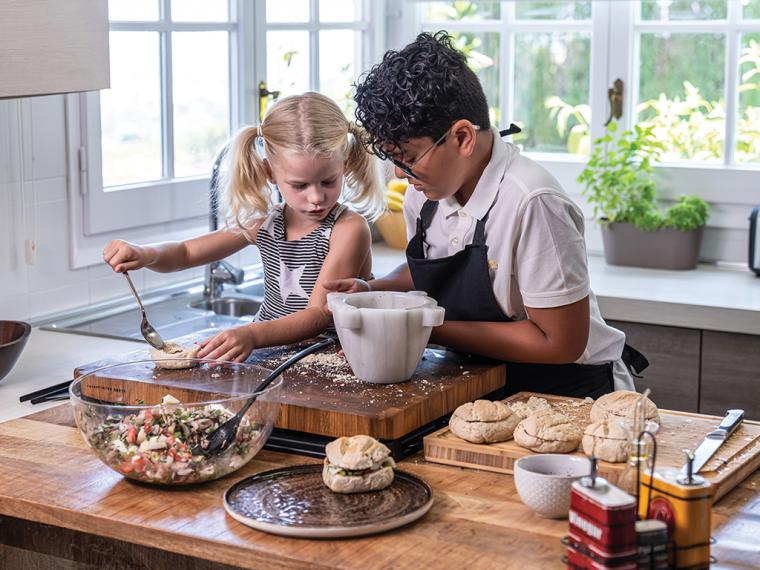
[[418, 91]]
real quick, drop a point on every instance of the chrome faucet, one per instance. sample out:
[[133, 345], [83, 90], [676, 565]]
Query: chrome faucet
[[218, 272]]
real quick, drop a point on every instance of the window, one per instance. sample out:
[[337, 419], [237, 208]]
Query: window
[[185, 75], [153, 135], [534, 62], [691, 68], [318, 45], [699, 79]]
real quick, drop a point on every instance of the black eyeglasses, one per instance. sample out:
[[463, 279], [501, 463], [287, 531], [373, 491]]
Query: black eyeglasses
[[407, 168]]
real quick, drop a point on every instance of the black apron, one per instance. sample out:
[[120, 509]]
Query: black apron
[[462, 285]]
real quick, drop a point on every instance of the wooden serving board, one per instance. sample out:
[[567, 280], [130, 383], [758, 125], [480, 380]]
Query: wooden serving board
[[320, 393], [736, 459]]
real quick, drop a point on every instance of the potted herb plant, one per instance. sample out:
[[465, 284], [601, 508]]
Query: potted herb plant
[[620, 186]]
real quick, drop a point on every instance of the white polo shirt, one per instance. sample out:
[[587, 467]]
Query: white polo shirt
[[536, 248]]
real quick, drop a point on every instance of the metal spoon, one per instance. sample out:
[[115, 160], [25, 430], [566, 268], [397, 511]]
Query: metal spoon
[[149, 333], [225, 434]]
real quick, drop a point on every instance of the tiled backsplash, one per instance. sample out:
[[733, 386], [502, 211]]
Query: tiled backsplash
[[32, 138]]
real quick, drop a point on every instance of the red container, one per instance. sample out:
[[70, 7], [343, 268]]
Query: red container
[[577, 559], [603, 520]]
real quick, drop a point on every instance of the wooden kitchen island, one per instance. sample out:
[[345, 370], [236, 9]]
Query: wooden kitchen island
[[61, 508]]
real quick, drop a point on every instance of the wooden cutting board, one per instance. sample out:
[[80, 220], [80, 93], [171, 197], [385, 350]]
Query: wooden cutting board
[[320, 394], [735, 460]]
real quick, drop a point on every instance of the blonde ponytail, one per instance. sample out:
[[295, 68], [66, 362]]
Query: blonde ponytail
[[309, 124], [247, 194], [365, 190]]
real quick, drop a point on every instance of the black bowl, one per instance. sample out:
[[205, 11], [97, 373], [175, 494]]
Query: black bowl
[[13, 337]]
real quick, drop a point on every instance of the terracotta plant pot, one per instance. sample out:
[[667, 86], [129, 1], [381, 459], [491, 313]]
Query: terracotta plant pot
[[666, 248]]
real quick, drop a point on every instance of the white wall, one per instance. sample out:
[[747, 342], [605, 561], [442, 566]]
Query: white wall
[[34, 206]]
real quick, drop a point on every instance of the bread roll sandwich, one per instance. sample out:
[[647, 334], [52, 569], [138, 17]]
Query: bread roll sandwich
[[622, 405], [357, 464], [482, 421], [548, 431]]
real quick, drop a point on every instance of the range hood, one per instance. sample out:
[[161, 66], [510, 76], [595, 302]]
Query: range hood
[[53, 46]]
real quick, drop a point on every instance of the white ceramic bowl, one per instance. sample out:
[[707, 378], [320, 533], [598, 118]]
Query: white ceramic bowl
[[383, 333], [543, 482]]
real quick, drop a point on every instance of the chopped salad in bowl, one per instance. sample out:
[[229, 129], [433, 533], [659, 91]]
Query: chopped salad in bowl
[[154, 443]]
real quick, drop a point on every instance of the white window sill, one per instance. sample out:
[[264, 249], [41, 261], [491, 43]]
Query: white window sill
[[709, 297]]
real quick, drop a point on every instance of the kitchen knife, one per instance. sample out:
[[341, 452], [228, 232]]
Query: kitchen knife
[[714, 440]]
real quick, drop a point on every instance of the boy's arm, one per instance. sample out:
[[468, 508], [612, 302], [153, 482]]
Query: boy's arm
[[556, 335], [399, 279]]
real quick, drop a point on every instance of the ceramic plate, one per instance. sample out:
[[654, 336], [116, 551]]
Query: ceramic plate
[[293, 501]]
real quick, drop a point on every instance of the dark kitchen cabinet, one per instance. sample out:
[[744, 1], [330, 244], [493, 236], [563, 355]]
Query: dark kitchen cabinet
[[673, 354], [730, 373]]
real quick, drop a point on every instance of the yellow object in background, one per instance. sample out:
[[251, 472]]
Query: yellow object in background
[[398, 185], [395, 189], [393, 229]]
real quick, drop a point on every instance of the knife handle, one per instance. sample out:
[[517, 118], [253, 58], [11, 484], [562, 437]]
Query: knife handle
[[731, 421]]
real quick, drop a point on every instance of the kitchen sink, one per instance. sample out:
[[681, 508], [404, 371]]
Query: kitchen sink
[[175, 311], [230, 306]]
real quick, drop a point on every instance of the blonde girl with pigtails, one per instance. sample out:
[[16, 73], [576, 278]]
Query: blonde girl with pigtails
[[329, 185]]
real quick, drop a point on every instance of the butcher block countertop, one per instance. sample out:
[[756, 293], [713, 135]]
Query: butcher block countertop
[[60, 507]]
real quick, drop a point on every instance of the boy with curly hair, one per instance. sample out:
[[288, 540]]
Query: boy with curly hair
[[492, 234]]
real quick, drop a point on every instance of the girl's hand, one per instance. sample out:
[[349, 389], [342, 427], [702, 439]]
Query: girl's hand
[[232, 345], [124, 256], [347, 285]]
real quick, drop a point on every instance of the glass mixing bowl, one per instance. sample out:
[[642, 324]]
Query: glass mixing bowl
[[143, 421]]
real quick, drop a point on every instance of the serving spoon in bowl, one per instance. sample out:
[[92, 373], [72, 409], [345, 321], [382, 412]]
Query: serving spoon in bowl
[[149, 333], [221, 438]]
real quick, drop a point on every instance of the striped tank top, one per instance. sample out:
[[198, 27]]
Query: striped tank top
[[291, 268]]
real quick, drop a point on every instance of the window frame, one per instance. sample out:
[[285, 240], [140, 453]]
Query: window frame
[[172, 198], [731, 189], [372, 26], [179, 209]]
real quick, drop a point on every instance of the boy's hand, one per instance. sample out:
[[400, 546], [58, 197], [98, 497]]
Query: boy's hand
[[347, 285], [124, 256], [232, 345]]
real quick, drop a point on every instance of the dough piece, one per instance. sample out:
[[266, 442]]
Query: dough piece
[[483, 421], [533, 405], [548, 431], [174, 356], [606, 441], [621, 405]]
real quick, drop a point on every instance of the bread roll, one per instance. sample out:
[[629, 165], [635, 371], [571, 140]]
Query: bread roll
[[548, 431], [621, 405], [483, 421], [607, 441], [357, 464], [374, 481]]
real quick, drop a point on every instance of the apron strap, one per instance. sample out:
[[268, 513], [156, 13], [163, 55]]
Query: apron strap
[[634, 360], [480, 228], [426, 217]]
